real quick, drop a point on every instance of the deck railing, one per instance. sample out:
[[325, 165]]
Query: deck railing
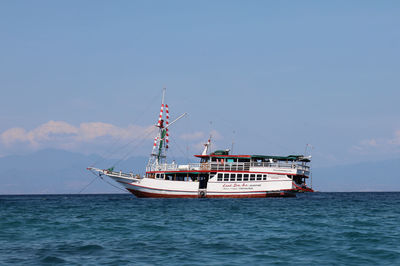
[[281, 165], [224, 166], [120, 173]]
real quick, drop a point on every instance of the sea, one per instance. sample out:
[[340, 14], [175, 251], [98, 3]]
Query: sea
[[119, 229]]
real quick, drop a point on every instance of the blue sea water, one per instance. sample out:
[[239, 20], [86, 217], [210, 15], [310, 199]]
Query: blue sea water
[[314, 228]]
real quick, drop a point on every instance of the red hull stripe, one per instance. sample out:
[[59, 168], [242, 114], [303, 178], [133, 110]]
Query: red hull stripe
[[142, 194], [159, 189], [185, 191], [305, 189], [244, 193], [275, 180]]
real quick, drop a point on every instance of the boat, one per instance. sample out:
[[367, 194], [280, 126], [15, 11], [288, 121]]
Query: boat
[[218, 174]]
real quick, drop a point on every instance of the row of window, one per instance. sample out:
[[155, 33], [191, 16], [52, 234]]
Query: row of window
[[175, 177], [220, 177], [240, 177]]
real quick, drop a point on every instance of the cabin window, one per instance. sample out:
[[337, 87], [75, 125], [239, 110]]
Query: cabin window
[[259, 177], [226, 177], [157, 175], [252, 177], [169, 177], [239, 177], [219, 177], [233, 177], [264, 177], [246, 177]]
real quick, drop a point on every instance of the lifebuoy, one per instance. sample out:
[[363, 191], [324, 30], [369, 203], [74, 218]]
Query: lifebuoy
[[202, 194]]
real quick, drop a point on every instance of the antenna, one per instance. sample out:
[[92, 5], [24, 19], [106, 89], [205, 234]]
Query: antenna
[[311, 148], [209, 147], [305, 155], [233, 141], [163, 95]]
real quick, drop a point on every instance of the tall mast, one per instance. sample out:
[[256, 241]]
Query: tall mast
[[163, 95], [157, 155], [161, 141]]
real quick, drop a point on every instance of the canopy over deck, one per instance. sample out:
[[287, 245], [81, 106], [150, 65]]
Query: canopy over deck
[[282, 158], [225, 155]]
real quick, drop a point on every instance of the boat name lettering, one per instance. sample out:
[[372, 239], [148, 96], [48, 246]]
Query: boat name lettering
[[234, 185], [240, 186]]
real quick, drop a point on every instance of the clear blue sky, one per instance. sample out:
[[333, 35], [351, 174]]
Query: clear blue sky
[[280, 74]]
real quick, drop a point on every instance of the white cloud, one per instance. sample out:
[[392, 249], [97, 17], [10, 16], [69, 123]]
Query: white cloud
[[60, 134], [13, 135], [378, 145], [193, 136], [215, 135], [396, 139], [91, 137]]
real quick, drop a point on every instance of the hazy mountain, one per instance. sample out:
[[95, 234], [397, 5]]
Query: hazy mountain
[[56, 171], [368, 176]]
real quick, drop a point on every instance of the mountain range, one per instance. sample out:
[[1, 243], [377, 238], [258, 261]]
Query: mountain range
[[62, 172]]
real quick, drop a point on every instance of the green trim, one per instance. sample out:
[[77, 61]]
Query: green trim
[[220, 152], [163, 133], [282, 158]]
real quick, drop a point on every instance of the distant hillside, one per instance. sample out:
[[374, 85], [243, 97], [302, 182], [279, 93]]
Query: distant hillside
[[56, 171], [371, 176]]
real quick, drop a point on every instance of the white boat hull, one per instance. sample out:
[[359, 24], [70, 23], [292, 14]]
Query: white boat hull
[[156, 188]]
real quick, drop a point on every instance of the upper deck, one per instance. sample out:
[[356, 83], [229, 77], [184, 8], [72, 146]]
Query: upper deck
[[289, 167], [223, 161]]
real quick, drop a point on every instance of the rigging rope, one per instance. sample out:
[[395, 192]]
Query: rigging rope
[[113, 149], [85, 187], [137, 145], [95, 178], [180, 150]]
